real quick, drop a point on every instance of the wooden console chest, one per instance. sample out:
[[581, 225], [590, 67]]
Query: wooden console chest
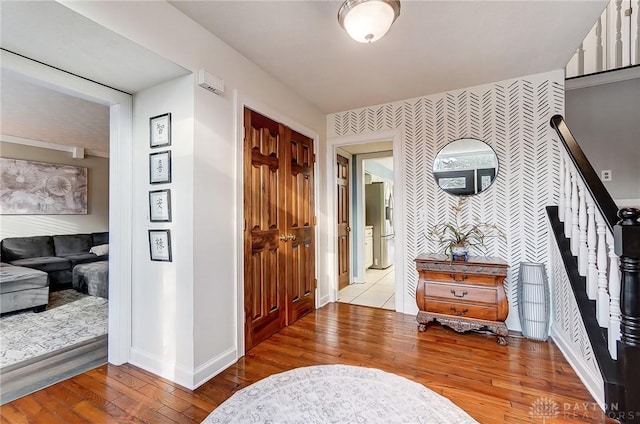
[[463, 295]]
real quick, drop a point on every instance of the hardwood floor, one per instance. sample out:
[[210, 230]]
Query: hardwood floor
[[493, 383]]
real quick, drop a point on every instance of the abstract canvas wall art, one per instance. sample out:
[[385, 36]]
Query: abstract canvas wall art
[[37, 188]]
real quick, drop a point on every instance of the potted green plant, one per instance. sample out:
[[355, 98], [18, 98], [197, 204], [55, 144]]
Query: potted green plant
[[456, 238]]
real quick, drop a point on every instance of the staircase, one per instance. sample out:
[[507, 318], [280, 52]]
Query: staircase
[[597, 255]]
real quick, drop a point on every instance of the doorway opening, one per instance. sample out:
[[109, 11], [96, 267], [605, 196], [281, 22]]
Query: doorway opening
[[365, 208]]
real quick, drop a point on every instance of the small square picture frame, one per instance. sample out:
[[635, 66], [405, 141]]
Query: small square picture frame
[[160, 130], [160, 205], [160, 167], [160, 245]]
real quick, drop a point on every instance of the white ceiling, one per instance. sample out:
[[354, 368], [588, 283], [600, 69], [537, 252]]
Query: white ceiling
[[434, 46]]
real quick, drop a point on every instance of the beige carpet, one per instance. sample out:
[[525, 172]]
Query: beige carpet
[[337, 394]]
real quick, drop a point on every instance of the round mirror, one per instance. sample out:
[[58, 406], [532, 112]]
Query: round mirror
[[465, 167]]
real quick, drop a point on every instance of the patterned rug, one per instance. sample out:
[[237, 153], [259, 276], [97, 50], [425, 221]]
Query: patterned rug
[[337, 394], [71, 317]]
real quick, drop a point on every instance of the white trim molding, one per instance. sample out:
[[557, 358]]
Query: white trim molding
[[53, 146], [241, 101], [601, 78], [395, 136]]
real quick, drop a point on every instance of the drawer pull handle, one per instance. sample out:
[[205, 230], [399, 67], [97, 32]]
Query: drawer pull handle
[[459, 313], [464, 293], [455, 278]]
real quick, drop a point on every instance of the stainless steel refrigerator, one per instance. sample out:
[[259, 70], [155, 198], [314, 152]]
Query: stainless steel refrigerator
[[379, 214]]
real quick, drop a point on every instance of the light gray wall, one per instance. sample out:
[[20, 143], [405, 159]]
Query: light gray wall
[[605, 120], [97, 217]]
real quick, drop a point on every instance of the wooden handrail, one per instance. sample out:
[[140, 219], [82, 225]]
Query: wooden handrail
[[603, 200]]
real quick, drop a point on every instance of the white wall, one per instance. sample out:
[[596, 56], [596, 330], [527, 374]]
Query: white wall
[[162, 292], [512, 117], [215, 235], [97, 217], [604, 119]]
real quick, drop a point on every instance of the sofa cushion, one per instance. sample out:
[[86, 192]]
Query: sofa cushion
[[15, 248], [17, 278], [46, 263], [100, 238], [71, 243], [82, 258]]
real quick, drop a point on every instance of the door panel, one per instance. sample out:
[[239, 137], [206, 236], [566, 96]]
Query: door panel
[[343, 221], [279, 267], [265, 310], [301, 286]]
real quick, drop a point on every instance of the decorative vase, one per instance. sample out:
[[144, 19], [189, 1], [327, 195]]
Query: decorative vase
[[460, 253]]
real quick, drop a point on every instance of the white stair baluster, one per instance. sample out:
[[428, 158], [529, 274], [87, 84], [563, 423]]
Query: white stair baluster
[[614, 295], [599, 60], [602, 304], [575, 207], [582, 226], [592, 270], [580, 56], [567, 201], [561, 196], [618, 44]]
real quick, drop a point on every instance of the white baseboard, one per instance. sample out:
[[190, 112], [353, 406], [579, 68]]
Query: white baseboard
[[323, 301], [179, 374], [169, 370], [593, 382]]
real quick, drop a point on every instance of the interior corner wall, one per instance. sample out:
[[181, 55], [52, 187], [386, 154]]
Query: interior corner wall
[[513, 118], [215, 272], [604, 121], [162, 292], [97, 217]]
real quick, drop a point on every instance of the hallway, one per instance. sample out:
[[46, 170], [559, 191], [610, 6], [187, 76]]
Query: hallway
[[377, 291]]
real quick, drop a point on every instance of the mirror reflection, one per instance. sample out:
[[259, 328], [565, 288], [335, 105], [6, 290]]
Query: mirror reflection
[[465, 167]]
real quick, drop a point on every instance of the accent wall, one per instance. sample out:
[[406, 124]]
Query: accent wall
[[513, 118]]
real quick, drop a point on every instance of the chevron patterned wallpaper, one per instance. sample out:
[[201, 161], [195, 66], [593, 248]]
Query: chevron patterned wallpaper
[[568, 329], [512, 117]]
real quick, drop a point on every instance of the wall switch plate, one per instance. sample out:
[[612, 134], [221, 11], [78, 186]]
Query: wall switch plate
[[605, 175]]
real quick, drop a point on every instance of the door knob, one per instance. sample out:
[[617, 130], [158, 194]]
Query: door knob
[[291, 237], [348, 228], [284, 238]]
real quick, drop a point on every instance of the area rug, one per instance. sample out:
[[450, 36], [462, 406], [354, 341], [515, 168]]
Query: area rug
[[337, 394], [70, 318]]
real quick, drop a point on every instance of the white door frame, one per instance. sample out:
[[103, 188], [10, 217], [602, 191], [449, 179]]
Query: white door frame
[[398, 172], [241, 101], [120, 183]]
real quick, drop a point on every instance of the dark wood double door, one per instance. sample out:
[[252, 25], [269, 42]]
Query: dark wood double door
[[279, 254]]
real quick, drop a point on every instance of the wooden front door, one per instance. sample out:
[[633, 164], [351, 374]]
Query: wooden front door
[[279, 254], [343, 221]]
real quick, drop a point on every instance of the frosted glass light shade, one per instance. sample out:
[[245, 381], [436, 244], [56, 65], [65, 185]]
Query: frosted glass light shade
[[368, 20]]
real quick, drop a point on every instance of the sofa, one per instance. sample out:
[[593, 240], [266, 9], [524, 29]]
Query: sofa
[[56, 255], [22, 288]]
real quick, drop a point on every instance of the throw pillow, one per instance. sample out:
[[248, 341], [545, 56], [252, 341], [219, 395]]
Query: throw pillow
[[100, 250]]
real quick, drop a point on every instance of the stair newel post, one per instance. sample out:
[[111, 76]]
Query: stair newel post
[[627, 247]]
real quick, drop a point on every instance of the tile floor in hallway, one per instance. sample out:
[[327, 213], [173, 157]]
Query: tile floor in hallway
[[378, 290]]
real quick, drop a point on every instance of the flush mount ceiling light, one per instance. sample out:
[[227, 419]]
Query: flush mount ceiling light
[[368, 20]]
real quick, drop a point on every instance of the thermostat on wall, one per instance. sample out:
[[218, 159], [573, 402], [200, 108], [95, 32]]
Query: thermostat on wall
[[210, 82]]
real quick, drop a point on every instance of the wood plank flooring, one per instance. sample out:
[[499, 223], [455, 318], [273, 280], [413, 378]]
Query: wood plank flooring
[[493, 383]]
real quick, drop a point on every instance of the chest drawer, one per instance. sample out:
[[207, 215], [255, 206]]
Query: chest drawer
[[460, 277], [463, 310], [460, 292]]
